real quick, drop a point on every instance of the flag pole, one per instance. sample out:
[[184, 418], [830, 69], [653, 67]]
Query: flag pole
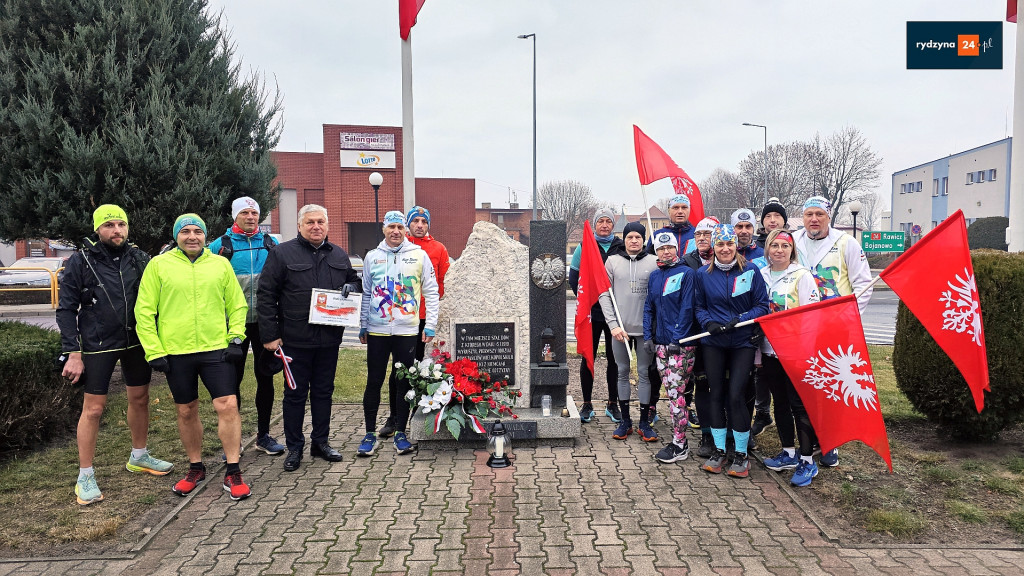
[[868, 287], [618, 314], [408, 166], [647, 210]]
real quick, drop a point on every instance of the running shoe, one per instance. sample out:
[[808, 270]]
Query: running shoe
[[368, 446], [388, 429], [236, 487], [586, 412], [805, 472], [612, 411], [647, 434], [673, 452], [86, 490], [715, 462], [623, 431], [762, 420], [782, 462], [707, 446], [267, 443], [402, 444], [830, 458], [740, 466], [186, 485], [653, 416], [148, 465], [692, 417]]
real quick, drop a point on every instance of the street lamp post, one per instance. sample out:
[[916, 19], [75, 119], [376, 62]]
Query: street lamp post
[[524, 37], [376, 180], [765, 158], [855, 208]]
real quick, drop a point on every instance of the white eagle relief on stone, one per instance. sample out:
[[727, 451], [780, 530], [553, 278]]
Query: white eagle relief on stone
[[962, 306], [548, 271], [836, 374]]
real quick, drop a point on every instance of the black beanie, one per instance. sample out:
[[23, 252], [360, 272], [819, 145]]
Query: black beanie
[[774, 205], [634, 227]]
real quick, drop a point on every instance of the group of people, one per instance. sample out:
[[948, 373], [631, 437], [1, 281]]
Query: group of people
[[194, 311], [679, 300]]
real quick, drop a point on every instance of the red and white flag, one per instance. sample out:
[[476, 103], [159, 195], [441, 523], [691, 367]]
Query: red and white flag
[[935, 279], [822, 348], [407, 11], [652, 163], [593, 282], [1011, 11]]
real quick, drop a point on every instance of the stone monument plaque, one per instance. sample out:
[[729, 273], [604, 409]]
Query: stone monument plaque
[[492, 345]]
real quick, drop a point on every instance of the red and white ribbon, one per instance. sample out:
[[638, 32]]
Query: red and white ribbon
[[286, 360]]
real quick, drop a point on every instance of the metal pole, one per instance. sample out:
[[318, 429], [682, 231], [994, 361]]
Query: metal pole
[[376, 207], [534, 126], [1015, 232], [765, 165], [855, 237]]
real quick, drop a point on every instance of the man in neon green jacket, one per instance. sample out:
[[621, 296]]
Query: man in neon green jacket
[[184, 298]]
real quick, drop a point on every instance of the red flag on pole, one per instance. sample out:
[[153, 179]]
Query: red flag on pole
[[822, 348], [407, 11], [935, 279], [1011, 10], [593, 283], [652, 163]]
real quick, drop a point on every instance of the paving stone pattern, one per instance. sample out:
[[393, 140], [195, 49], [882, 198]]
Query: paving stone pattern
[[603, 507]]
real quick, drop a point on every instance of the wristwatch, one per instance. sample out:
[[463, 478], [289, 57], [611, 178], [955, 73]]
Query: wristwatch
[[236, 341]]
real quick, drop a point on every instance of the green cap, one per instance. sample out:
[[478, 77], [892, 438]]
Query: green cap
[[106, 213], [188, 220]]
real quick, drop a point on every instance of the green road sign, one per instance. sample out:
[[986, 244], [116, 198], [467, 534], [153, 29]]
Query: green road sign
[[882, 241]]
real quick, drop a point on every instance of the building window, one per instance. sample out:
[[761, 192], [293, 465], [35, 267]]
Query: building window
[[935, 187], [981, 176], [970, 178], [934, 224], [992, 175], [920, 186], [903, 188], [945, 185]]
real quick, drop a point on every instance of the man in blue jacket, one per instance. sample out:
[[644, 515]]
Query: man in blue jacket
[[247, 248]]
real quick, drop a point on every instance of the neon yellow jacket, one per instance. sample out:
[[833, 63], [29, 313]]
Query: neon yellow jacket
[[186, 307]]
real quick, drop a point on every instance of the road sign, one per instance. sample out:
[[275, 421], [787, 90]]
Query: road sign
[[882, 241], [916, 230]]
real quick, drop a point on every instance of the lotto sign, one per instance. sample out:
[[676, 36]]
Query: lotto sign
[[882, 241]]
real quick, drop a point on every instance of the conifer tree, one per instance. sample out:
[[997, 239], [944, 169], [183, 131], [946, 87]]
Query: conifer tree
[[139, 103]]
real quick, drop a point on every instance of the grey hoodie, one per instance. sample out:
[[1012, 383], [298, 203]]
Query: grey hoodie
[[628, 275]]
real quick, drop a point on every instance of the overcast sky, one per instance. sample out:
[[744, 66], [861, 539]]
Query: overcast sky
[[688, 73]]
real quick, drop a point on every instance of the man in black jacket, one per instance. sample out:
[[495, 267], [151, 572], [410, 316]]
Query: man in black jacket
[[603, 222], [96, 318], [293, 269]]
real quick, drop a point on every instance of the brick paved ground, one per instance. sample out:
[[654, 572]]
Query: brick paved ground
[[603, 507]]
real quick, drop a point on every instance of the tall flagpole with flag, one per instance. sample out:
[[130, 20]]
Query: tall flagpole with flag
[[652, 163], [407, 11]]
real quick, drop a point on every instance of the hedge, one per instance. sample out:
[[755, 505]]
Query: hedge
[[988, 233], [36, 403], [932, 383]]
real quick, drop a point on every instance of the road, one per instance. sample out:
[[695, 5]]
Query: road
[[879, 320]]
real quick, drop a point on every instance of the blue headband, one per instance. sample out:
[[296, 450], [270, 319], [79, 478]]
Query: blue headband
[[723, 233], [679, 199], [394, 217], [818, 202], [417, 212]]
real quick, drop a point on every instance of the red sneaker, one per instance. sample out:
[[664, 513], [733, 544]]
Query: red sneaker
[[186, 485], [236, 487]]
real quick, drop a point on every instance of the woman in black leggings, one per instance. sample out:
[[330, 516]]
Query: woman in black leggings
[[729, 291]]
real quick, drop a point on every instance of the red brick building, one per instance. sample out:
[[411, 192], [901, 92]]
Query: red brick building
[[338, 179], [515, 221]]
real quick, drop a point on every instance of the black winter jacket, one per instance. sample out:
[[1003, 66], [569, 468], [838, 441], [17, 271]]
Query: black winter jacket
[[292, 270], [92, 318]]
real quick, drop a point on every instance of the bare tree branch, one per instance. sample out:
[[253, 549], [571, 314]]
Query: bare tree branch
[[567, 200]]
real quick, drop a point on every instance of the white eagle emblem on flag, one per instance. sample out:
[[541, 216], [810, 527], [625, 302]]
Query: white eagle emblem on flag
[[962, 306], [682, 185], [835, 374]]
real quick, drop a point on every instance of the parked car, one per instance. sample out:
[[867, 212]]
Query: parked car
[[31, 278], [357, 264]]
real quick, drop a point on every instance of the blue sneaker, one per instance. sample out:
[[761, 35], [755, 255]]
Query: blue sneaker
[[402, 444], [623, 431], [782, 462], [830, 458], [612, 411], [368, 446], [805, 472], [647, 434], [267, 443], [586, 412], [653, 416]]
